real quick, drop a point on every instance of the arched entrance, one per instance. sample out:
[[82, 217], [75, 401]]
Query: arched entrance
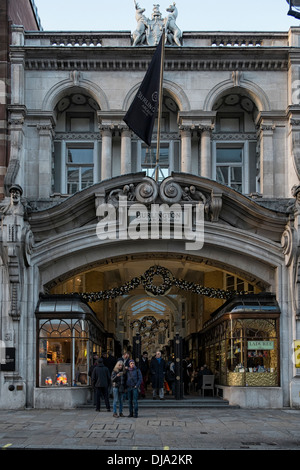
[[112, 275]]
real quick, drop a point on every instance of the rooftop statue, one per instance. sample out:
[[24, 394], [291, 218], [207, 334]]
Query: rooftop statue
[[148, 32]]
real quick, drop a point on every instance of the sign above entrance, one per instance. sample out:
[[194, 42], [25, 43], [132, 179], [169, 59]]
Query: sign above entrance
[[168, 281]]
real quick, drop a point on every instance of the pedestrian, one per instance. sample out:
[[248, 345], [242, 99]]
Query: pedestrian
[[157, 371], [90, 372], [187, 371], [204, 370], [144, 366], [118, 377], [101, 381], [125, 358], [133, 383], [110, 362], [170, 375]]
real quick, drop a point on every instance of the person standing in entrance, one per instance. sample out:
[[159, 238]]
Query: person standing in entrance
[[133, 383], [118, 377], [101, 381], [144, 366], [157, 371]]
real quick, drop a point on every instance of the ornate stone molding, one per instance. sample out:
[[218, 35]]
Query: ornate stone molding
[[16, 244]]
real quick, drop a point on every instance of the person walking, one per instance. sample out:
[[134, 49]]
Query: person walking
[[133, 383], [144, 366], [170, 375], [187, 371], [101, 381], [110, 362], [157, 371], [118, 377], [90, 372]]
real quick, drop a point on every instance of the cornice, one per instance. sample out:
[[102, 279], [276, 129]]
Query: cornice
[[126, 58]]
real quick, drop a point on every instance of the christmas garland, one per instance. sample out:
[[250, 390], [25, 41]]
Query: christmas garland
[[168, 281]]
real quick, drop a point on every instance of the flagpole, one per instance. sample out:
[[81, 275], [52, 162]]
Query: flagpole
[[160, 104]]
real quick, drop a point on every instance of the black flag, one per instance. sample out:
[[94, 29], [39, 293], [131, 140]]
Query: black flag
[[140, 117]]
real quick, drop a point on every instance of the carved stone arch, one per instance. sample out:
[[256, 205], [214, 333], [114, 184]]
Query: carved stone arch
[[257, 94], [59, 90], [174, 90]]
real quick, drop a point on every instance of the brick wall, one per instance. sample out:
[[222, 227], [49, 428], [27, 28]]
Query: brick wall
[[20, 12], [17, 12]]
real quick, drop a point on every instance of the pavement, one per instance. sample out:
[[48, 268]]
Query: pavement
[[159, 430]]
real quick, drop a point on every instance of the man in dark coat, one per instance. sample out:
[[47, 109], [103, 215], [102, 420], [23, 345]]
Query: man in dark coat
[[157, 371], [101, 381], [144, 366]]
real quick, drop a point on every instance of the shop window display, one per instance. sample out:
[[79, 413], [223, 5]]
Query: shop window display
[[241, 344], [63, 352]]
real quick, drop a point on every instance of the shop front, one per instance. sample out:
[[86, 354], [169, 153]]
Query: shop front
[[240, 344], [68, 334]]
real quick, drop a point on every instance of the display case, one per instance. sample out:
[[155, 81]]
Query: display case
[[68, 333], [243, 339]]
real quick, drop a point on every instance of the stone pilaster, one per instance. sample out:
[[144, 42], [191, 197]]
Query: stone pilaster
[[46, 135], [125, 151], [186, 149], [265, 136], [106, 154], [206, 169]]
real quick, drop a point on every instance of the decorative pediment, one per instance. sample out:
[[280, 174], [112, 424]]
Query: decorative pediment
[[222, 205]]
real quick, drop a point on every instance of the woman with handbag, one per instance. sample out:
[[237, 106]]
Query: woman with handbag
[[118, 387]]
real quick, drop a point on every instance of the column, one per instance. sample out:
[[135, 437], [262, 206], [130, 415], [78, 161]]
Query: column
[[186, 150], [267, 159], [206, 170], [106, 154], [125, 151], [15, 170], [44, 160]]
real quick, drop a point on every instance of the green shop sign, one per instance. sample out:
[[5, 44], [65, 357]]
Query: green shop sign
[[261, 345]]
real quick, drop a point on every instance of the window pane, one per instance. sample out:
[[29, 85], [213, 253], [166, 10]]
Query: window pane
[[81, 364], [86, 177], [149, 155], [222, 174], [227, 155], [80, 155], [55, 361], [73, 180]]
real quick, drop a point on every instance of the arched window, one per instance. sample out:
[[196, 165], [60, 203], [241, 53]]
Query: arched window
[[76, 150], [235, 161]]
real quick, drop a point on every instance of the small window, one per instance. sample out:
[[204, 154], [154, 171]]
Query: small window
[[229, 167], [79, 168], [148, 161]]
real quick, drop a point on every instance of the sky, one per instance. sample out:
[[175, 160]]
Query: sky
[[193, 15]]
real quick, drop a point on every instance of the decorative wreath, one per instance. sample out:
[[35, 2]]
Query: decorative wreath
[[162, 289], [168, 281]]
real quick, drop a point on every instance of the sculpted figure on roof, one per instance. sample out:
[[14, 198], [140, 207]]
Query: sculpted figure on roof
[[148, 31]]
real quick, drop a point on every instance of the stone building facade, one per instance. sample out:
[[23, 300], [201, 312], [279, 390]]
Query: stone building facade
[[229, 145]]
